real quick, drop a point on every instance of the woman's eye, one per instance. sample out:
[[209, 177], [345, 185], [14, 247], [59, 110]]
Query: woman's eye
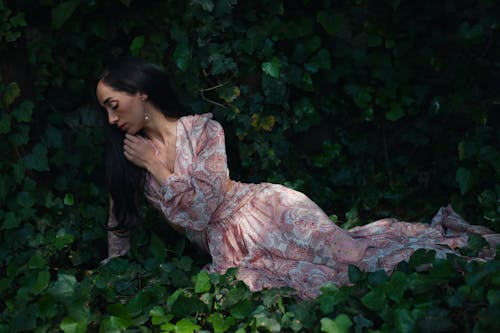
[[114, 106]]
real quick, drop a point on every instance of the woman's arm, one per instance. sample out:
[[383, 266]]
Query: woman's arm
[[190, 198]]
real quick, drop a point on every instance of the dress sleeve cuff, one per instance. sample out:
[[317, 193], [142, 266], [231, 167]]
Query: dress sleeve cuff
[[174, 185]]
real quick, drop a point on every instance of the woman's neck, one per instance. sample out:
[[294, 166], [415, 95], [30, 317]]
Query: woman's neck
[[159, 127]]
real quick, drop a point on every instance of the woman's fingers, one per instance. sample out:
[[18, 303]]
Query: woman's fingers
[[137, 150]]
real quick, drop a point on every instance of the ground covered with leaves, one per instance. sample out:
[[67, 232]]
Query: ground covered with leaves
[[372, 108]]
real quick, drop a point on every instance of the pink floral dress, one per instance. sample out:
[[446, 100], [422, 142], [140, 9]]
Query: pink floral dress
[[275, 236]]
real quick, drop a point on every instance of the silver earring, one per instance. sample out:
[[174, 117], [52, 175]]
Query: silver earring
[[146, 115]]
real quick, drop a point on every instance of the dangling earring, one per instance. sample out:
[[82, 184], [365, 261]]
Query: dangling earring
[[146, 115]]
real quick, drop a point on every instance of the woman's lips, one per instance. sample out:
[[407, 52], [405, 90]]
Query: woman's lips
[[122, 127]]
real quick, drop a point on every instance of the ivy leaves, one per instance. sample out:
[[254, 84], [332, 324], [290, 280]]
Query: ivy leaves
[[358, 104]]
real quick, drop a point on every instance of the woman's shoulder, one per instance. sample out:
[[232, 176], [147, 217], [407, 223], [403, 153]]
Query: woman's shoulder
[[196, 119], [200, 122]]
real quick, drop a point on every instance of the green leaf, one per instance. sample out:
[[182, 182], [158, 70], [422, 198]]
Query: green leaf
[[185, 306], [341, 324], [64, 287], [114, 324], [157, 246], [464, 179], [63, 239], [395, 112], [23, 112], [53, 137], [332, 23], [18, 20], [354, 273], [241, 310], [126, 2], [21, 136], [236, 295], [272, 68], [182, 54], [321, 60], [268, 323], [207, 5], [11, 93], [476, 243], [403, 321], [158, 316], [362, 323], [422, 257], [363, 98], [25, 318], [219, 323], [397, 285], [275, 90], [493, 297], [37, 160], [42, 282], [62, 12], [375, 300], [70, 325], [37, 261], [25, 199], [223, 7], [202, 283], [186, 326], [4, 123], [10, 221], [377, 277], [141, 300], [136, 45], [69, 200]]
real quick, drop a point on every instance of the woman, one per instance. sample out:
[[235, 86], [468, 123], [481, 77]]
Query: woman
[[275, 236]]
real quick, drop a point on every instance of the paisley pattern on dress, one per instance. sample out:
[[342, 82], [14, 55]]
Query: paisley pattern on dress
[[277, 236]]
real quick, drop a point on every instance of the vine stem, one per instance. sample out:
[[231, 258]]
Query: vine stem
[[202, 91]]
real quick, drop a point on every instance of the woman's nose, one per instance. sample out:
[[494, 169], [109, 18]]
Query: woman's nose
[[112, 118]]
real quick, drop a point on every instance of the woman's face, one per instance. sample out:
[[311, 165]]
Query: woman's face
[[124, 110]]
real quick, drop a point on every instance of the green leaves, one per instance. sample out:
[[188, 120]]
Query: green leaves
[[69, 325], [23, 112], [64, 287], [136, 45], [10, 93], [321, 60], [63, 12], [341, 324], [272, 68], [202, 283], [219, 323], [4, 123], [343, 102], [182, 54], [333, 23], [37, 160], [395, 112], [207, 5], [466, 179]]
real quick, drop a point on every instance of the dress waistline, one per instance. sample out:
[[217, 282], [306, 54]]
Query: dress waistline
[[236, 198]]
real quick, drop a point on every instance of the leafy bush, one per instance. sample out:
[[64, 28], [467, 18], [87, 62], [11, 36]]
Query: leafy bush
[[372, 108]]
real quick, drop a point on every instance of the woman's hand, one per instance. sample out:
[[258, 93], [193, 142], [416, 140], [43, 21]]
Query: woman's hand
[[139, 151], [143, 153]]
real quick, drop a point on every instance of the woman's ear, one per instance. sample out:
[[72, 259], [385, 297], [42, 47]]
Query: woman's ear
[[143, 96]]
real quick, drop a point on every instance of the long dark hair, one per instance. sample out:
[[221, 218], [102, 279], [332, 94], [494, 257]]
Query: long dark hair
[[125, 180]]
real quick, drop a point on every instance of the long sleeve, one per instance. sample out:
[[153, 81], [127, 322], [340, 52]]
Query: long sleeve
[[190, 198], [118, 243]]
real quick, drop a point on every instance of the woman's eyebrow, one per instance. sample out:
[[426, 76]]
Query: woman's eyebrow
[[106, 101]]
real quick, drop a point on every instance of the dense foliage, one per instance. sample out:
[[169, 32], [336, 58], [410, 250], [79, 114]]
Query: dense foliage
[[372, 108]]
